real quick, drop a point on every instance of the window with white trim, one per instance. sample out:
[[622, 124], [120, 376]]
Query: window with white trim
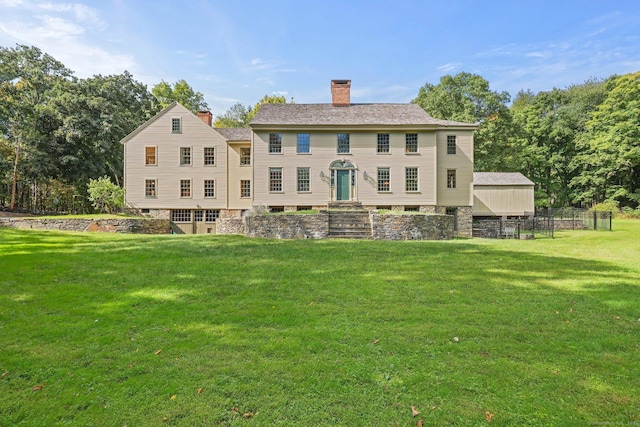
[[150, 156], [451, 144], [245, 156], [383, 143], [185, 156], [150, 188], [304, 179], [304, 143], [384, 176], [185, 188], [245, 188], [411, 143], [344, 147], [176, 125], [210, 188], [181, 215], [451, 178], [209, 156], [275, 180], [211, 215], [275, 143], [411, 179]]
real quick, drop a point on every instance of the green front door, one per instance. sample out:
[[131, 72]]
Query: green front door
[[342, 184]]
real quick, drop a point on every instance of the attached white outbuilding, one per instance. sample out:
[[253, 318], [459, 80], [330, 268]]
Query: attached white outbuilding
[[497, 194]]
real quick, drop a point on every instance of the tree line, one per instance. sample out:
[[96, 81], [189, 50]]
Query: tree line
[[580, 145]]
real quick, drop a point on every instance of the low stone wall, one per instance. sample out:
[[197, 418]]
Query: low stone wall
[[124, 225], [412, 227], [230, 225], [568, 224], [306, 226]]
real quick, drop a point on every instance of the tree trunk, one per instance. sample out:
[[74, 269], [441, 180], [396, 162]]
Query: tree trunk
[[14, 187]]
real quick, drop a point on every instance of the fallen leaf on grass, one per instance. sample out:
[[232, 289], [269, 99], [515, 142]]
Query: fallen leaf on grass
[[420, 423], [158, 352], [234, 410], [38, 387], [200, 390], [174, 397], [414, 411], [376, 341], [4, 374], [248, 414], [488, 416]]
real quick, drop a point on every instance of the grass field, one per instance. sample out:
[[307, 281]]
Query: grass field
[[99, 329]]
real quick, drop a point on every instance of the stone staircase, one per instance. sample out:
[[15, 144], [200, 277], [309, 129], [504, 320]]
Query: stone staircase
[[349, 223]]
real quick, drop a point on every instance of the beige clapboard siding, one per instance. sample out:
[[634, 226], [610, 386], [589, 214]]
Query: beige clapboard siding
[[236, 173], [499, 200], [168, 172], [462, 162], [363, 155]]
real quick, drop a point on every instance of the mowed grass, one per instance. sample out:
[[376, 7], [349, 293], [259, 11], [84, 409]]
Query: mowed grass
[[99, 329]]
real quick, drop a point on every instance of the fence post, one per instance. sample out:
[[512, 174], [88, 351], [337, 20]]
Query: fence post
[[610, 220], [595, 220]]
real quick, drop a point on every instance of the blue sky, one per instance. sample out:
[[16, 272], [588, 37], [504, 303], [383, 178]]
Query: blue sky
[[238, 51]]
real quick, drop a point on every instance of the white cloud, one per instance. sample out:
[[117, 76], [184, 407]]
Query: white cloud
[[449, 67], [64, 31]]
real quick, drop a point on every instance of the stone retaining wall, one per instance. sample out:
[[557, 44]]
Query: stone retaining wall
[[124, 225], [412, 227], [230, 225], [293, 226]]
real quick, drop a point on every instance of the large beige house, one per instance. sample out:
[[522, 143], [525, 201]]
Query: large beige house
[[299, 157]]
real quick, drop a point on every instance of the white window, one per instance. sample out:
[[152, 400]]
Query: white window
[[150, 188], [185, 188], [181, 215], [411, 179], [451, 178], [383, 143], [304, 145], [176, 125], [451, 144], [211, 215], [275, 180], [245, 188], [245, 156], [150, 156], [411, 140], [275, 143], [304, 179], [209, 156], [185, 156], [383, 179], [343, 143], [209, 188]]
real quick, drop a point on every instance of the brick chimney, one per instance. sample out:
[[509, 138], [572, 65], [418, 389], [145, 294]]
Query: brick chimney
[[341, 93], [206, 117]]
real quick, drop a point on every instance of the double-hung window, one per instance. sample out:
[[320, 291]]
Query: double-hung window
[[451, 144], [411, 179], [383, 143], [411, 141], [245, 156], [211, 215], [185, 188], [176, 125], [245, 188], [185, 156], [275, 143], [343, 143], [209, 156], [304, 179], [209, 188], [384, 176], [150, 156], [150, 188], [303, 143], [275, 180], [451, 178]]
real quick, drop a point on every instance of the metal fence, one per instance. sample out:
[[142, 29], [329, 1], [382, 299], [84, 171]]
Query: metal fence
[[574, 218], [528, 227]]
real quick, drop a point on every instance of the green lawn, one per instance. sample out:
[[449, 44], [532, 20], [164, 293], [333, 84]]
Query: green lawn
[[99, 329]]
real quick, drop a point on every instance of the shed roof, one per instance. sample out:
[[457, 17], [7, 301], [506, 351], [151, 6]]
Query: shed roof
[[235, 134], [354, 114], [500, 178]]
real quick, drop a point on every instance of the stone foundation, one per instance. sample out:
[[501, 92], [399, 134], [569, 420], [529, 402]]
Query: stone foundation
[[293, 226], [231, 225], [411, 227], [124, 225]]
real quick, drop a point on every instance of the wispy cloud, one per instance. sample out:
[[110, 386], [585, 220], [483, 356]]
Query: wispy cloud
[[451, 66], [63, 30]]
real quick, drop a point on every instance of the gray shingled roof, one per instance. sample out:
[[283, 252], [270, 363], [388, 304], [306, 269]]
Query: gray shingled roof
[[354, 114], [235, 134], [500, 178]]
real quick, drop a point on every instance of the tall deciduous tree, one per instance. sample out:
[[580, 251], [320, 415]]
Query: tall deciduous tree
[[27, 77], [609, 164], [467, 98], [239, 116], [165, 94]]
